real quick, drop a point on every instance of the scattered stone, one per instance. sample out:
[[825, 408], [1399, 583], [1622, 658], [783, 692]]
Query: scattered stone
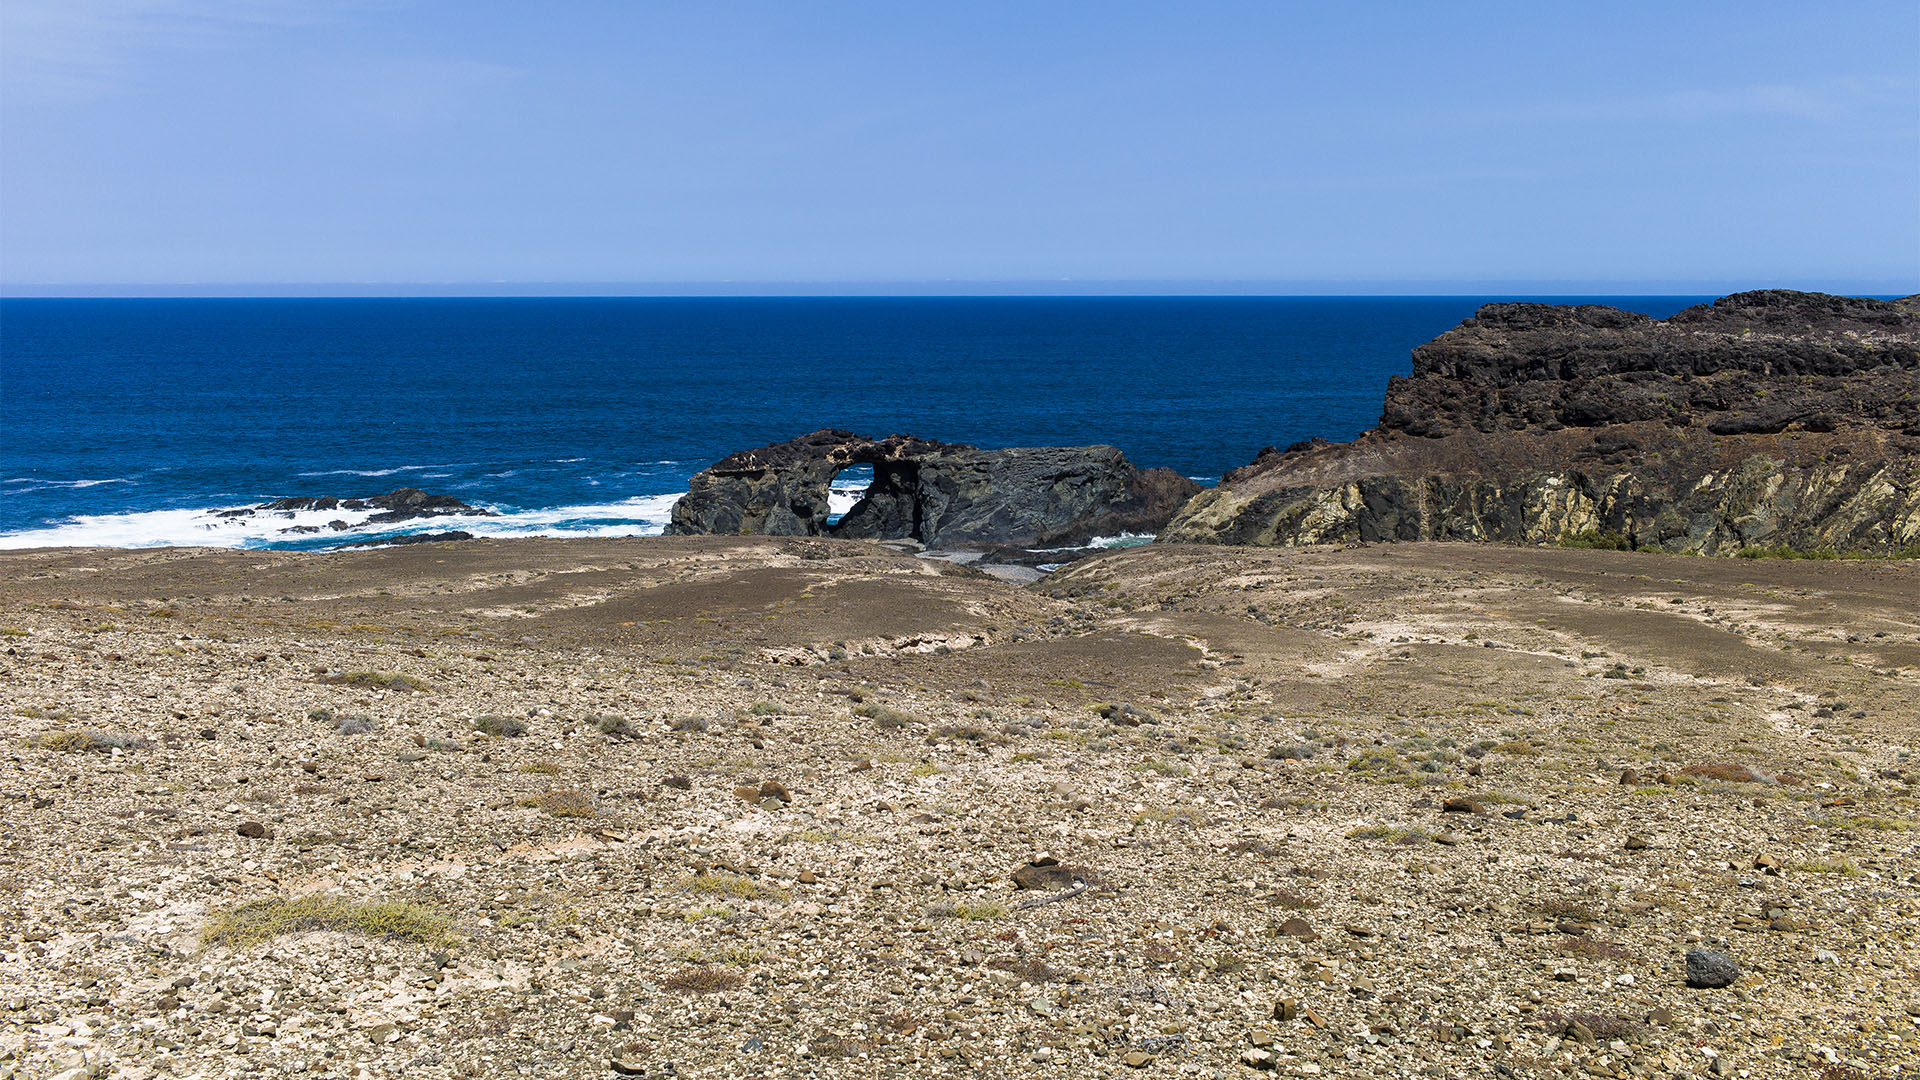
[[1707, 970], [1138, 1059], [1043, 873], [1286, 1009], [1637, 843]]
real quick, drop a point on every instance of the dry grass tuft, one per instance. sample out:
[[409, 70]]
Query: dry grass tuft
[[262, 920], [562, 803], [703, 980], [378, 680]]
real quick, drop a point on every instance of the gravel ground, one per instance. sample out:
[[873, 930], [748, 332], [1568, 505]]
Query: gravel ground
[[713, 807]]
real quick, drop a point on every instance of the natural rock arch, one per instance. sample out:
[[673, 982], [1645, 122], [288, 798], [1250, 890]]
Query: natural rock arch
[[937, 493]]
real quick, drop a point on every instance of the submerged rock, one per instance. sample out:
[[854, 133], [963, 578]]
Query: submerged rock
[[1765, 419], [947, 494]]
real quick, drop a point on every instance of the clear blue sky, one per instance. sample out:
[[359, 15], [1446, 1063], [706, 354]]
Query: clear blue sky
[[1267, 145]]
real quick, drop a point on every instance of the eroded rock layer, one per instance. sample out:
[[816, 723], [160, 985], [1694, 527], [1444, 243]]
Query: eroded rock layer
[[937, 493], [1769, 419]]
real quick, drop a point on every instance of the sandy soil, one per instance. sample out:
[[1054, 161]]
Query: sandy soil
[[1405, 810]]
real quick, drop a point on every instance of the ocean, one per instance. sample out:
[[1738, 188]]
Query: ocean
[[132, 423]]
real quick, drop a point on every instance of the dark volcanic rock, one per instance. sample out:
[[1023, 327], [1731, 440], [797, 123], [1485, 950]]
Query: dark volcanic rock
[[1764, 419], [411, 538], [937, 493], [1708, 970], [398, 505]]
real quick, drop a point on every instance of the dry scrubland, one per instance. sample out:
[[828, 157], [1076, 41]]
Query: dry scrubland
[[723, 807]]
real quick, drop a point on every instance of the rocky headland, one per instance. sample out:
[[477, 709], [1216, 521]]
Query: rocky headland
[[1768, 419], [938, 494]]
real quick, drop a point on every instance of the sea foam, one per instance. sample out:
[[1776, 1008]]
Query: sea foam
[[645, 515]]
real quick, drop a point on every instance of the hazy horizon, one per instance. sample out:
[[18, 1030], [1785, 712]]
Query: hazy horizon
[[907, 289]]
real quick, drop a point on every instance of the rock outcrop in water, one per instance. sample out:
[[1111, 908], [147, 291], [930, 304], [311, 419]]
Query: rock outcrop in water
[[944, 494], [396, 506], [1765, 419]]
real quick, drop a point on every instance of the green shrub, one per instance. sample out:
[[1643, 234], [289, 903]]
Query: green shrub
[[378, 680], [505, 727]]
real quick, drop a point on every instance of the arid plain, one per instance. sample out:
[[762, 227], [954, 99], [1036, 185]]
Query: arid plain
[[712, 807]]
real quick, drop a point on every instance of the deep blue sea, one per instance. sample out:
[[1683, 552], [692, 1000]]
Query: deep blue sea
[[129, 422]]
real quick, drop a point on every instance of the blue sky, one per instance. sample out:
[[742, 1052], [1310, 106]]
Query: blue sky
[[1035, 146]]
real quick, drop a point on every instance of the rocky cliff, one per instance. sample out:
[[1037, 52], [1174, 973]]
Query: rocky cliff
[[1765, 419], [944, 494]]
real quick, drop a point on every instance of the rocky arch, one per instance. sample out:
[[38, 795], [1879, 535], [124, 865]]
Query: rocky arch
[[948, 494]]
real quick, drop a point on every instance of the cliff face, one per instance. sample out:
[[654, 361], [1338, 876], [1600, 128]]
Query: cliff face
[[1764, 419], [943, 494]]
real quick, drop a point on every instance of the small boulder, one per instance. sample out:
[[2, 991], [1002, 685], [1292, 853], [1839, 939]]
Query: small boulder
[[1044, 873], [1709, 970], [254, 830]]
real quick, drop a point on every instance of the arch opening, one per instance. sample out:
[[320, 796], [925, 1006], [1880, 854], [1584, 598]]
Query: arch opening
[[844, 492]]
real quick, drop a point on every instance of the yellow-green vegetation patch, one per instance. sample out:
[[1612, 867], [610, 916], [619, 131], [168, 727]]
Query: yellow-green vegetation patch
[[925, 768], [263, 920], [726, 885], [885, 717], [378, 680], [1377, 762], [1517, 748], [562, 803], [540, 768]]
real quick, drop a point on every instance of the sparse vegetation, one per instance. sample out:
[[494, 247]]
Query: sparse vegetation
[[395, 681], [504, 727], [885, 717], [83, 742], [250, 924], [562, 803], [703, 980]]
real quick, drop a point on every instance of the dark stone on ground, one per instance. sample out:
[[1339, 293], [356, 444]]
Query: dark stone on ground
[[1709, 970]]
